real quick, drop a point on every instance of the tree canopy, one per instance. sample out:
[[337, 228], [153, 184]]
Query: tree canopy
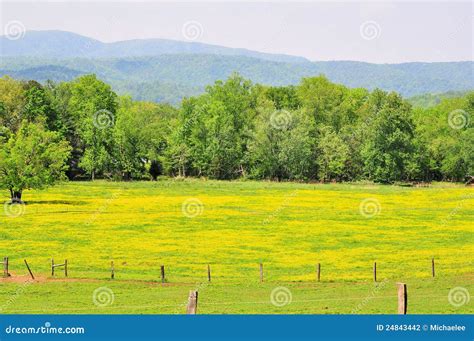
[[314, 131], [31, 158]]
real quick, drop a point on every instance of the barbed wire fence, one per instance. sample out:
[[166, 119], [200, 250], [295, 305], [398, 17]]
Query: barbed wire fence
[[279, 297]]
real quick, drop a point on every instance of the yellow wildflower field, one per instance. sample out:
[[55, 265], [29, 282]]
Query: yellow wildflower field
[[233, 226]]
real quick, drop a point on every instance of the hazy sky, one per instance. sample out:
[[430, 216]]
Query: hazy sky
[[381, 32]]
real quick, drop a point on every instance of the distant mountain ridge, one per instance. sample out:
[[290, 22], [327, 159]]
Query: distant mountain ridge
[[170, 70], [61, 44]]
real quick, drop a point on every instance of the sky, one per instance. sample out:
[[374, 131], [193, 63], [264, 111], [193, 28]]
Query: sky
[[379, 32]]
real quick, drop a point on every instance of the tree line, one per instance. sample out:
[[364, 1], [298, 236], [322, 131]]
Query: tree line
[[314, 131]]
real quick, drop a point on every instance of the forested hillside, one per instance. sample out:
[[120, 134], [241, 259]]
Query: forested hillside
[[314, 131], [172, 77], [431, 100], [167, 71]]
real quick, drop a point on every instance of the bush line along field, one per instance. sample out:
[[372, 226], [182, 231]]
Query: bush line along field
[[234, 226]]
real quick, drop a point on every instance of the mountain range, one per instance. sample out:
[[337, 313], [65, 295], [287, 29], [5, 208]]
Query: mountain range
[[166, 70]]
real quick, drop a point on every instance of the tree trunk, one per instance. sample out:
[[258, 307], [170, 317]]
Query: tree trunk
[[126, 176], [93, 175], [15, 196]]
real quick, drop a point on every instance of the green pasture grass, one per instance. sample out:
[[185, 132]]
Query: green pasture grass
[[425, 296]]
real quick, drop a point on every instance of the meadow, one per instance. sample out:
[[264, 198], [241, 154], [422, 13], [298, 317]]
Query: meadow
[[187, 225]]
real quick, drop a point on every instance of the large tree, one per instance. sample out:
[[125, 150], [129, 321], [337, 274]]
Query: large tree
[[212, 131], [281, 146], [12, 96], [92, 105], [31, 158], [140, 134], [38, 107], [333, 155], [389, 147], [446, 132]]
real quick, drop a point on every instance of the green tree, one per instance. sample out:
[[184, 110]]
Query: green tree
[[38, 107], [389, 147], [213, 129], [321, 98], [177, 160], [445, 131], [2, 109], [12, 96], [281, 146], [467, 151], [297, 148], [31, 158], [140, 136], [93, 105], [333, 154], [283, 97]]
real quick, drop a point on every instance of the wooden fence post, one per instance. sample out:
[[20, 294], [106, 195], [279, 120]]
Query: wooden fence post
[[208, 273], [191, 309], [375, 271], [402, 298], [5, 267], [112, 270], [29, 270], [53, 266], [432, 267], [319, 271], [162, 274], [261, 273]]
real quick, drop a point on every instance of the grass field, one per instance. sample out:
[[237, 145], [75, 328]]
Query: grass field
[[234, 226]]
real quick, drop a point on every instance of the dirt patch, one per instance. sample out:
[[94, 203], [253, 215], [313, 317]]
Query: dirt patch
[[20, 279], [13, 278]]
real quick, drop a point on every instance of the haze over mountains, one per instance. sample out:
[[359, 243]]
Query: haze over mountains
[[60, 44], [167, 70]]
